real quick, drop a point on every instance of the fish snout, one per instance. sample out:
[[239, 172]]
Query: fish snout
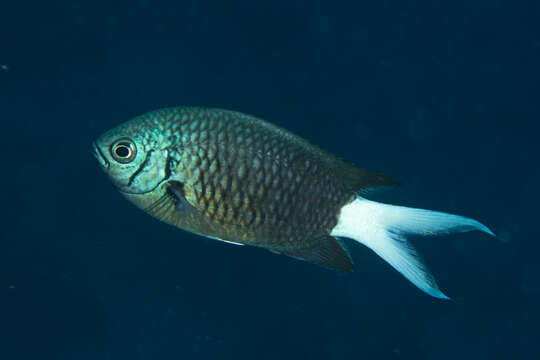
[[98, 154]]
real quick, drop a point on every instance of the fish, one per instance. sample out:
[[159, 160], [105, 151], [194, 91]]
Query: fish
[[239, 179]]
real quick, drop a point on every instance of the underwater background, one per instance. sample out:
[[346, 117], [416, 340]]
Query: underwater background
[[443, 96]]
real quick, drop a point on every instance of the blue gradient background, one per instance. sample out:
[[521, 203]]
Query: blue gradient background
[[443, 96]]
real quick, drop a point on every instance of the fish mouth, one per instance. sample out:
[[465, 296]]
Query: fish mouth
[[99, 156]]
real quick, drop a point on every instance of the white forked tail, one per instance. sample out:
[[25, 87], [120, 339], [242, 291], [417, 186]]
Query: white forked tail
[[383, 228]]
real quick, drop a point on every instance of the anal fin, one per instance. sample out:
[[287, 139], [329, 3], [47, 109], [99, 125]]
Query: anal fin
[[327, 252], [226, 241]]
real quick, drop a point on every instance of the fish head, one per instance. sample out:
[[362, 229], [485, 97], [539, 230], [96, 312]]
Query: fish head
[[133, 157]]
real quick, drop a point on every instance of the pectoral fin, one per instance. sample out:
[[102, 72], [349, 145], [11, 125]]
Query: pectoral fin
[[172, 205], [327, 252]]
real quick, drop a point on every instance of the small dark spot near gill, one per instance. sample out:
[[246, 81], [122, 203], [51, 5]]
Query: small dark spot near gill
[[176, 188]]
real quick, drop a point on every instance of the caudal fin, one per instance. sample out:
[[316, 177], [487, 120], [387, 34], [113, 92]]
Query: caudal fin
[[383, 228]]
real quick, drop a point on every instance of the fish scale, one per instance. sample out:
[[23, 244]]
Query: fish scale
[[236, 178], [242, 173]]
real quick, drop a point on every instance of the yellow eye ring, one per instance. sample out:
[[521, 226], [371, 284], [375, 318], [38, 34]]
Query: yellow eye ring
[[124, 151]]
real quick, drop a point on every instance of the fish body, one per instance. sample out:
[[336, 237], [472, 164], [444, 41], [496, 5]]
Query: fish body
[[239, 179]]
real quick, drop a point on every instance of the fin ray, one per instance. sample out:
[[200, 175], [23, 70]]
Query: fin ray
[[327, 252], [383, 229], [358, 179]]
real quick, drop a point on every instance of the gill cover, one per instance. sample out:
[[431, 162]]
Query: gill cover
[[133, 168]]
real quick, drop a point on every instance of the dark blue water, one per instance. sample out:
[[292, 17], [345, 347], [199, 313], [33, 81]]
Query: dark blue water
[[443, 96]]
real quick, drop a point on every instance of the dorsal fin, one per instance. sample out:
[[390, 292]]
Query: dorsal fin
[[356, 179], [327, 252]]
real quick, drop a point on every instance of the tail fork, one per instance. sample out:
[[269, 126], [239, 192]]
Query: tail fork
[[383, 228]]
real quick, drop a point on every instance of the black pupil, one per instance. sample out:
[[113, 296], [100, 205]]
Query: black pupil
[[122, 151]]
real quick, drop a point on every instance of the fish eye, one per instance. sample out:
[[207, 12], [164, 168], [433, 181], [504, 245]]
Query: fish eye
[[123, 151]]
